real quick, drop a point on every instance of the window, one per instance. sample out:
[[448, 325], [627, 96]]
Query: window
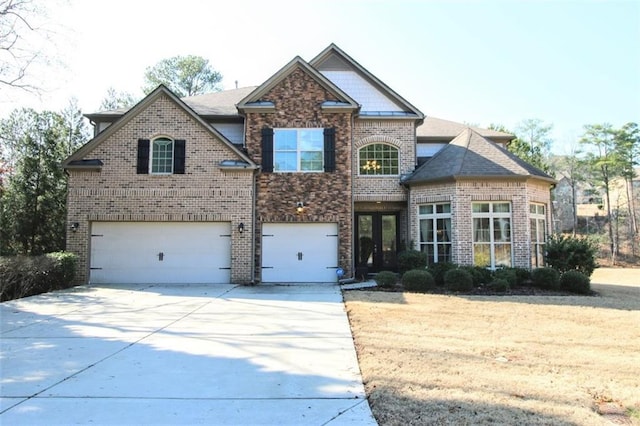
[[492, 234], [298, 150], [378, 159], [435, 232], [162, 156], [538, 222]]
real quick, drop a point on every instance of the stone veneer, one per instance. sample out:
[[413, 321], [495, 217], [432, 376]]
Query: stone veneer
[[521, 193], [205, 193], [327, 196]]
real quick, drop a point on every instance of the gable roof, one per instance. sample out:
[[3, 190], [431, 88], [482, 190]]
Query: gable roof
[[437, 128], [75, 159], [332, 50], [469, 156], [253, 98]]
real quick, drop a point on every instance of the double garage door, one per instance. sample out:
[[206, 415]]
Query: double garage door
[[160, 252], [299, 252]]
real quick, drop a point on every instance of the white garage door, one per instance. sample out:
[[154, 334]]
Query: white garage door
[[160, 252], [299, 252]]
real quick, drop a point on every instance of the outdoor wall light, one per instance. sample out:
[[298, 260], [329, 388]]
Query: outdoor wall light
[[241, 227], [75, 226], [299, 207]]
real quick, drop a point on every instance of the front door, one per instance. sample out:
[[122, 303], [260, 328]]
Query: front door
[[376, 241]]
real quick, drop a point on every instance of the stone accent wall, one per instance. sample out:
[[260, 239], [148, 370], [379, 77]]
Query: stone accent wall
[[461, 194], [398, 133], [205, 193], [327, 196]]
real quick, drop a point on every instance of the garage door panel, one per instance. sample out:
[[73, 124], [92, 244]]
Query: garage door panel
[[160, 252], [299, 252]]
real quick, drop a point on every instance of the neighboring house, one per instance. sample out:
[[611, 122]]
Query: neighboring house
[[321, 168]]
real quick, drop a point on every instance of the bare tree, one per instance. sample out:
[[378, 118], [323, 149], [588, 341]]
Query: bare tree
[[23, 38]]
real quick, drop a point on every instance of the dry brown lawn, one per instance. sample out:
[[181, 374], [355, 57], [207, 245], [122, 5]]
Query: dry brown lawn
[[437, 359]]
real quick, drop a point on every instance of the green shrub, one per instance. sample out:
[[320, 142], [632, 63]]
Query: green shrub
[[22, 276], [523, 277], [499, 285], [458, 280], [507, 274], [575, 282], [386, 279], [411, 259], [565, 253], [439, 269], [479, 274], [546, 278], [418, 280]]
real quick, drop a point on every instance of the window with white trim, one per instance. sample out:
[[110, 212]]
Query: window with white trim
[[378, 159], [435, 231], [161, 157], [538, 223], [492, 245], [298, 150]]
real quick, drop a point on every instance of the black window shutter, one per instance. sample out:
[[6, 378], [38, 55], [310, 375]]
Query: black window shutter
[[143, 157], [267, 150], [178, 156], [330, 150]]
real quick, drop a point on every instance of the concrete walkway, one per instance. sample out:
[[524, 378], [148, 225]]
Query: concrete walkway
[[195, 354]]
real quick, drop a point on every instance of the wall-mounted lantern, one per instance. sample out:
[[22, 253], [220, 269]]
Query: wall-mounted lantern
[[299, 207], [241, 227], [75, 226]]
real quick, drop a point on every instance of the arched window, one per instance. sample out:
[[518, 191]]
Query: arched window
[[378, 159], [161, 156]]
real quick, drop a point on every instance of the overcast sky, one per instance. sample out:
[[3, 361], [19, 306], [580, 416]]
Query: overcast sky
[[568, 63]]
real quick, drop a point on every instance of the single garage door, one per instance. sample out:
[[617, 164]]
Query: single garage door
[[160, 252], [299, 252]]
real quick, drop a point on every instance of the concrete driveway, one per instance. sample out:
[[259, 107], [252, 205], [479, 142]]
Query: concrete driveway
[[180, 354]]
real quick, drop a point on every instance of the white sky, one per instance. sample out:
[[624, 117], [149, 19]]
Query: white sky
[[568, 63]]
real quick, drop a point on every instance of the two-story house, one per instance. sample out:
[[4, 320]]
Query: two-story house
[[321, 169]]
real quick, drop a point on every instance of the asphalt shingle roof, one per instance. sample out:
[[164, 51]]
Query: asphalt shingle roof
[[438, 128], [471, 155]]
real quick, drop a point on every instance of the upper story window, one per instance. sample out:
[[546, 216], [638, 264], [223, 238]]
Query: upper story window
[[161, 156], [298, 150], [378, 159]]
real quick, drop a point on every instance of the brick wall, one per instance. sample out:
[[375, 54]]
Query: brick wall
[[204, 193], [461, 194], [327, 196]]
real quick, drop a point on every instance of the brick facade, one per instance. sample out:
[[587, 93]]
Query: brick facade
[[461, 194], [205, 193], [327, 196]]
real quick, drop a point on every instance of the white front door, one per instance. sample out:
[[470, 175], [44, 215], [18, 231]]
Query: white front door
[[160, 252], [299, 252]]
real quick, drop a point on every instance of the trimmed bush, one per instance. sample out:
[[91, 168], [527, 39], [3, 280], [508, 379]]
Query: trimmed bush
[[458, 280], [565, 253], [546, 278], [499, 285], [22, 276], [575, 282], [479, 274], [439, 269], [411, 259], [418, 280], [523, 277], [507, 274], [386, 279]]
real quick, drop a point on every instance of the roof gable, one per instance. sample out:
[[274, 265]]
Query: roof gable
[[253, 99], [335, 64], [470, 155], [161, 90]]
